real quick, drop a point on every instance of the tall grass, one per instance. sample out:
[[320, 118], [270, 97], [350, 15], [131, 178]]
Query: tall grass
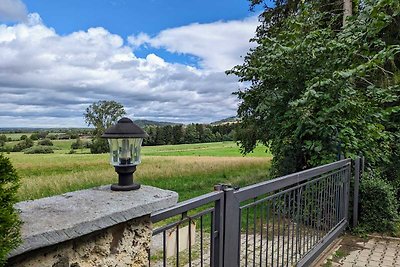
[[51, 174]]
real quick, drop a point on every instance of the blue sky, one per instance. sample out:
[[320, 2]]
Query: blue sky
[[163, 60]]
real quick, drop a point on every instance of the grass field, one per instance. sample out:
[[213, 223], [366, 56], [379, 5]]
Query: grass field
[[191, 170]]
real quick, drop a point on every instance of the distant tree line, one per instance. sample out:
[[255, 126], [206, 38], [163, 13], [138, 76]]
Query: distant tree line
[[188, 134]]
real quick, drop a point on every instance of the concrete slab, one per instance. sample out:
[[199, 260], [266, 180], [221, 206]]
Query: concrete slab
[[56, 219]]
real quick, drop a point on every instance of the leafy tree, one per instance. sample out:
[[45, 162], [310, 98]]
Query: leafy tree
[[9, 222], [3, 138], [319, 88], [101, 115], [23, 137]]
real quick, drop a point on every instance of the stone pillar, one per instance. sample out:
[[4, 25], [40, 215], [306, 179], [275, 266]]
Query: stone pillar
[[94, 227]]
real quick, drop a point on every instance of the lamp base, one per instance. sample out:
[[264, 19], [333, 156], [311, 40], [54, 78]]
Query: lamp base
[[125, 179], [117, 187]]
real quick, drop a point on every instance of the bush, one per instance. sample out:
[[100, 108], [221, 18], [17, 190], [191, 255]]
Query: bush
[[99, 146], [23, 145], [34, 136], [9, 222], [45, 142], [378, 205], [39, 150]]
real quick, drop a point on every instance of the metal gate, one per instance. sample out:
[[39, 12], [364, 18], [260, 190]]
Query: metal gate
[[287, 221]]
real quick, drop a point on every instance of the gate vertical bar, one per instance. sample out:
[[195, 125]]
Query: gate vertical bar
[[346, 192], [357, 168], [218, 232], [231, 229]]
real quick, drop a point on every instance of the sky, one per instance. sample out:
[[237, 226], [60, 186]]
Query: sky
[[163, 60]]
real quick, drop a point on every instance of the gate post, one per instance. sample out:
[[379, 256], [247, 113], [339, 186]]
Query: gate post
[[231, 229], [357, 168]]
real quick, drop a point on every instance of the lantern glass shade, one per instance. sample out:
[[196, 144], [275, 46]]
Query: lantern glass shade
[[125, 151]]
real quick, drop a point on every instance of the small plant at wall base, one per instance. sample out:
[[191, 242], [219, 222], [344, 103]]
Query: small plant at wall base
[[378, 206], [9, 221]]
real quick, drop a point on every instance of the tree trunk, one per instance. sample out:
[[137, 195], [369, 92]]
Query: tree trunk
[[347, 10]]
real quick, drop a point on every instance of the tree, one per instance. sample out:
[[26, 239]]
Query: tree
[[101, 115], [317, 91], [9, 222]]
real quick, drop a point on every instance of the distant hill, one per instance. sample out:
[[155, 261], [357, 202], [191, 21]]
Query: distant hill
[[232, 119], [143, 123]]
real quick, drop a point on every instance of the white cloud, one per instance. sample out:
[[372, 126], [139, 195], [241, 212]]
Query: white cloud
[[12, 10], [219, 45], [47, 79]]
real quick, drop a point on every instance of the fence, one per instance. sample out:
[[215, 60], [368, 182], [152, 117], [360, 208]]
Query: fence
[[281, 222]]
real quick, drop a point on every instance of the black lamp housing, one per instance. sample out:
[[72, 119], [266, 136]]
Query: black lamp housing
[[125, 140]]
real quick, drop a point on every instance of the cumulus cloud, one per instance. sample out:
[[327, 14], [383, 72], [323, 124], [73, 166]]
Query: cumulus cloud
[[12, 11], [47, 79], [219, 45]]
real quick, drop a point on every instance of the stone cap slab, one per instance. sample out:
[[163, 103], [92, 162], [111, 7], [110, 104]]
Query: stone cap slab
[[56, 219]]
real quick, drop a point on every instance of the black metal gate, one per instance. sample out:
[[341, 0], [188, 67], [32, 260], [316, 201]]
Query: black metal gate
[[287, 221]]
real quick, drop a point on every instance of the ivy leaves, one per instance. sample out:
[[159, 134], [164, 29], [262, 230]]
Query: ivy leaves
[[316, 92]]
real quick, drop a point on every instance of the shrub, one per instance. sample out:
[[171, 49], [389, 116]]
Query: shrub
[[99, 146], [39, 150], [45, 142], [77, 144], [52, 136], [9, 222], [23, 145], [378, 205], [34, 136]]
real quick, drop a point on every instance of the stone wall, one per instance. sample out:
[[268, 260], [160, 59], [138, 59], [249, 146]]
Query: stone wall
[[125, 244], [93, 227]]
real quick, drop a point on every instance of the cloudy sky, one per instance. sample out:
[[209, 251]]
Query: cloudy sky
[[163, 60]]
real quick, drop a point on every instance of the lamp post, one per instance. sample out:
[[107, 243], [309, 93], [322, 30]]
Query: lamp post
[[125, 140]]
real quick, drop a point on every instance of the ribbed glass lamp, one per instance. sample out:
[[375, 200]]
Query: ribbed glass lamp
[[125, 140]]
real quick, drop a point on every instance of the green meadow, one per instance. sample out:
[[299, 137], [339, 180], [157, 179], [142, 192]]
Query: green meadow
[[189, 169]]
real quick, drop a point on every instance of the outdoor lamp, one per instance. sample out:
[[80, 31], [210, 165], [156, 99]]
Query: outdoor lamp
[[125, 141]]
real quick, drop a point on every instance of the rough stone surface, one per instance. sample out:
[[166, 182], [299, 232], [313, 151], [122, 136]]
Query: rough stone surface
[[125, 244], [53, 220]]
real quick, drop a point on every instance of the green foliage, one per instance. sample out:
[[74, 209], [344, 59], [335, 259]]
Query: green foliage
[[9, 222], [52, 136], [24, 144], [378, 206], [45, 142], [39, 150], [189, 134], [318, 91], [103, 114], [34, 136], [99, 146], [3, 138]]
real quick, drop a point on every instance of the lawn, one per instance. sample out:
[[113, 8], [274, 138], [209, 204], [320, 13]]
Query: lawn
[[190, 170]]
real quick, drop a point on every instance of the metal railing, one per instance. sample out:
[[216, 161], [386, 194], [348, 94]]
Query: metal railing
[[189, 234], [286, 221]]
